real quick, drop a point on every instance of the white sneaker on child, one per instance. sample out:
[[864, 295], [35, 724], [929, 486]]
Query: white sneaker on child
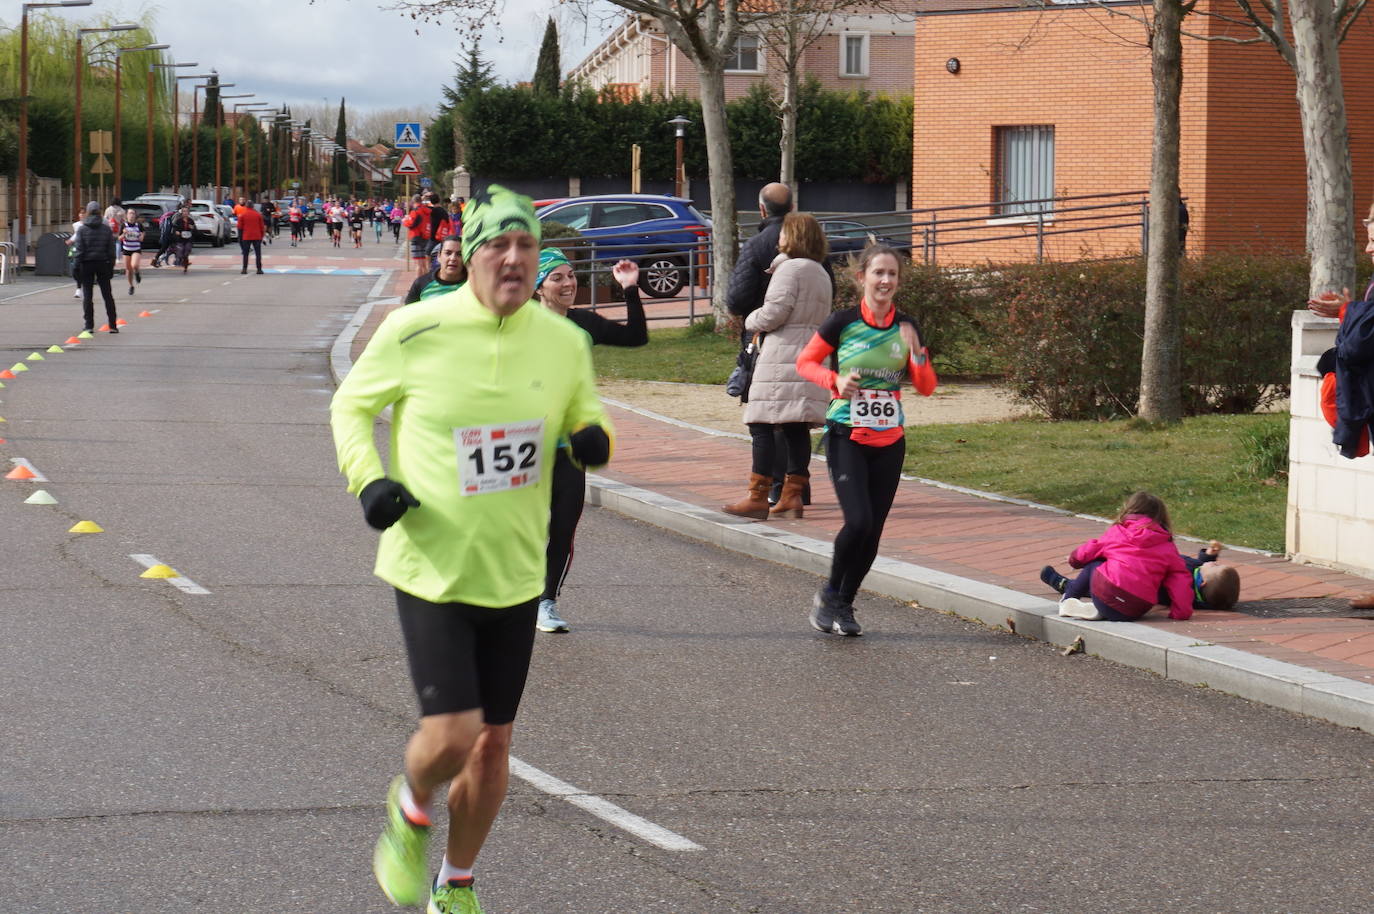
[[1078, 609]]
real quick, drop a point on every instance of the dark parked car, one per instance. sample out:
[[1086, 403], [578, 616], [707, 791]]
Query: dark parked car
[[149, 213], [845, 237], [659, 232]]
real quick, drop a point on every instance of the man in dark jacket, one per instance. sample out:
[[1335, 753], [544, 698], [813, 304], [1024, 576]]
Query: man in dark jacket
[[749, 281], [95, 251]]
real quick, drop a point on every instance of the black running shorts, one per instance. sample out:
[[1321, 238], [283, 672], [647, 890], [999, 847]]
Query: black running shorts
[[464, 657]]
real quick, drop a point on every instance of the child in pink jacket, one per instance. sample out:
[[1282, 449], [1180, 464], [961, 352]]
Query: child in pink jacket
[[1124, 569]]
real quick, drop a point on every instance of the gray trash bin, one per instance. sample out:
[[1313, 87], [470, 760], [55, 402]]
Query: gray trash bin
[[51, 256]]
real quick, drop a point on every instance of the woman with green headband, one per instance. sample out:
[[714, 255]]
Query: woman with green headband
[[556, 286]]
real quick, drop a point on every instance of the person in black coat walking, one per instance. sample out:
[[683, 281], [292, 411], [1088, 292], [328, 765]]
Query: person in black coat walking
[[95, 251]]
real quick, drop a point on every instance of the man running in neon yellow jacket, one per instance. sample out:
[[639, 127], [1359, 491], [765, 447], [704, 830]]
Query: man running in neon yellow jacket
[[482, 384]]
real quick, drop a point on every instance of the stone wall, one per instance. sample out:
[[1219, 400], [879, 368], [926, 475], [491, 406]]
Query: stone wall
[[1330, 498]]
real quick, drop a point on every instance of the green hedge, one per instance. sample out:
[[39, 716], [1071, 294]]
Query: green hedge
[[1066, 338], [1073, 333], [514, 133]]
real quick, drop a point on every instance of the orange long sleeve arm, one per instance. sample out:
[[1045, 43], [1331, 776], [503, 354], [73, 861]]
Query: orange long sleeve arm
[[811, 364]]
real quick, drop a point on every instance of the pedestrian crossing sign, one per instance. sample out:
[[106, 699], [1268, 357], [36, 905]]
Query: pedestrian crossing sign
[[407, 135]]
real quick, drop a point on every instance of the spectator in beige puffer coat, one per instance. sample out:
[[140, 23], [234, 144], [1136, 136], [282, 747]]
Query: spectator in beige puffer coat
[[797, 301]]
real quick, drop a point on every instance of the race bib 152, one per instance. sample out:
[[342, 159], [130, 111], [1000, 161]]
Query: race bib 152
[[493, 458]]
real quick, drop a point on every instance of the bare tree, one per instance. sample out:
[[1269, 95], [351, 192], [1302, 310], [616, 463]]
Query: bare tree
[[706, 32], [1161, 373], [1318, 28], [792, 28]]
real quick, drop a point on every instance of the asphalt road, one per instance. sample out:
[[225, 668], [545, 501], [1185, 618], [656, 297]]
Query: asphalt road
[[166, 751]]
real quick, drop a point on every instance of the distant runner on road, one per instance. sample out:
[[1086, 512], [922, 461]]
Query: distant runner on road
[[464, 510]]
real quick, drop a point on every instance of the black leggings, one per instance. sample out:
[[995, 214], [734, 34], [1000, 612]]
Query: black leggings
[[865, 480], [565, 510], [796, 441]]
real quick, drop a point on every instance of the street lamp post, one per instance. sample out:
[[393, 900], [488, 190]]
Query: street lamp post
[[219, 129], [159, 66], [22, 235], [679, 125], [80, 64], [118, 135], [251, 109], [176, 129], [195, 119]]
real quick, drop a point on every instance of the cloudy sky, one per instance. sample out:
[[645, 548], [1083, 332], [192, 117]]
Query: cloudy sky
[[301, 53]]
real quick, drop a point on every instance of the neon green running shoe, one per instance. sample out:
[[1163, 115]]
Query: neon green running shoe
[[454, 897], [398, 861]]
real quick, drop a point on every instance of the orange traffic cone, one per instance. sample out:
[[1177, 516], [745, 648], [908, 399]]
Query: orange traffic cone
[[7, 374], [145, 314], [104, 328], [121, 323], [73, 341], [21, 472]]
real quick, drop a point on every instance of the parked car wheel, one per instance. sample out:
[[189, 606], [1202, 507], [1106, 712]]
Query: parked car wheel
[[662, 276]]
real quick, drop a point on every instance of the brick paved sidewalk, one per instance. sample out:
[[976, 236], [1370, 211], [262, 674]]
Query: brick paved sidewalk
[[1004, 544]]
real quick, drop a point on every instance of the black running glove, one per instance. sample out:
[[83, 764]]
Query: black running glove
[[384, 501], [591, 447]]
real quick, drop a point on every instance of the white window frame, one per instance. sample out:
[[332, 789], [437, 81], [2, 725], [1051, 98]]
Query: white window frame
[[863, 55], [758, 55]]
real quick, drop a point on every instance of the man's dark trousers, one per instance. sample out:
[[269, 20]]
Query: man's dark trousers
[[97, 272], [256, 245]]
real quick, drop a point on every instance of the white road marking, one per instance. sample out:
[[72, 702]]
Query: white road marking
[[204, 291], [21, 462], [379, 287], [225, 283], [181, 582], [34, 292], [641, 828]]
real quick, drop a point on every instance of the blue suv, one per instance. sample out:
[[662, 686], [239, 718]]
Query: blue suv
[[658, 232]]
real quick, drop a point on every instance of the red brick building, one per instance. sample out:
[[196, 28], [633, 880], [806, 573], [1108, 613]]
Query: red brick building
[[1024, 103]]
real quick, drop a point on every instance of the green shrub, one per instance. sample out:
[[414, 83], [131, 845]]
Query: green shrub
[[1236, 330], [1266, 450], [702, 326], [1071, 337]]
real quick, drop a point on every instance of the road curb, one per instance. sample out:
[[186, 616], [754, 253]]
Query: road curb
[[1272, 682]]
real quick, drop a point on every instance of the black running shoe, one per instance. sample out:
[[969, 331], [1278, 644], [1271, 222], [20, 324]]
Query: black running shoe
[[1053, 579], [830, 615], [845, 621]]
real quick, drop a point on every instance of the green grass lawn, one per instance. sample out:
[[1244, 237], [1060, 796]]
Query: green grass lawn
[[1198, 467], [685, 355]]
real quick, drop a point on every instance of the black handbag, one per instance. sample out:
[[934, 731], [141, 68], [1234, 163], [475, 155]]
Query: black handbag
[[737, 385]]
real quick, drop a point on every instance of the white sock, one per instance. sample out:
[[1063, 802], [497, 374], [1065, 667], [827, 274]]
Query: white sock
[[449, 871], [416, 813]]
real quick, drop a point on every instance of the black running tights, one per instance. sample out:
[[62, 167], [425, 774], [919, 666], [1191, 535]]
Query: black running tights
[[565, 510], [865, 480]]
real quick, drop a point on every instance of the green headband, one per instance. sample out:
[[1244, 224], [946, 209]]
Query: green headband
[[550, 259], [493, 212]]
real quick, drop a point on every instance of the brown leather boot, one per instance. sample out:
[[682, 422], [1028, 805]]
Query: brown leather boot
[[790, 501], [755, 504]]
